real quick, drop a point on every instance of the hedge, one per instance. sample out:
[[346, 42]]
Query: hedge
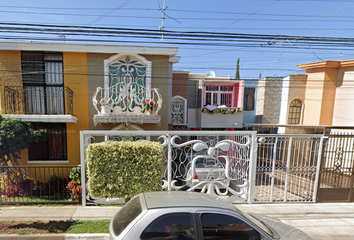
[[124, 169]]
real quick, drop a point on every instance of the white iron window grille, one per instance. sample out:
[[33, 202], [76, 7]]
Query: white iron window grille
[[126, 92], [179, 107]]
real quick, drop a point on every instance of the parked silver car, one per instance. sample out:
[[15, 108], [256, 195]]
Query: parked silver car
[[180, 215], [205, 169]]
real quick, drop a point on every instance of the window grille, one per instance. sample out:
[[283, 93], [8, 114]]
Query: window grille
[[43, 82], [219, 95], [294, 115]]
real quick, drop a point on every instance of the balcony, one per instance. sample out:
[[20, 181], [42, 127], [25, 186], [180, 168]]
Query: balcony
[[127, 103], [39, 103], [221, 117]]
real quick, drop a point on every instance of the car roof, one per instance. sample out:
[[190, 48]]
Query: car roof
[[165, 199]]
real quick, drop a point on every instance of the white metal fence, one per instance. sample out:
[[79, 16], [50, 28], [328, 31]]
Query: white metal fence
[[238, 165], [224, 161]]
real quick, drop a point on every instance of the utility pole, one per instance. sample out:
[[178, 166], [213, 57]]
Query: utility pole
[[163, 19]]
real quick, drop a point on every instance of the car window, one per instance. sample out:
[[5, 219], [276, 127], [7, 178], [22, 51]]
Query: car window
[[220, 226], [200, 162], [203, 163], [126, 215], [174, 226]]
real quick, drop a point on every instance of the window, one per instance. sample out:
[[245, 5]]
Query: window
[[128, 75], [53, 144], [177, 226], [295, 109], [248, 99], [220, 226], [42, 75], [178, 113], [220, 95]]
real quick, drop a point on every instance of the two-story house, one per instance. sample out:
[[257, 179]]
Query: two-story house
[[319, 99], [66, 88], [206, 102]]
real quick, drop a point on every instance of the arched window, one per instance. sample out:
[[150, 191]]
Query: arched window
[[179, 108], [295, 110], [127, 67], [127, 83]]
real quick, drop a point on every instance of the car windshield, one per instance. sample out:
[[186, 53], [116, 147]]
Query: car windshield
[[203, 162], [259, 224], [126, 215]]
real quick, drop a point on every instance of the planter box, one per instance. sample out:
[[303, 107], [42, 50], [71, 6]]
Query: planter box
[[220, 120]]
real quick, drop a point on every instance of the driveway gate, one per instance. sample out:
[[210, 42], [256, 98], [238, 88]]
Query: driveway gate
[[287, 168], [336, 181]]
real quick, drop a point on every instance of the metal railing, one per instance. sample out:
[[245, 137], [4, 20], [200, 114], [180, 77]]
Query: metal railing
[[287, 168], [127, 99], [34, 184], [38, 100], [186, 155]]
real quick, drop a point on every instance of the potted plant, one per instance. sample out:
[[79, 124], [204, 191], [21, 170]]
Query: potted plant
[[149, 106], [105, 107]]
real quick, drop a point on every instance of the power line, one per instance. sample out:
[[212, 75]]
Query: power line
[[209, 38], [233, 13]]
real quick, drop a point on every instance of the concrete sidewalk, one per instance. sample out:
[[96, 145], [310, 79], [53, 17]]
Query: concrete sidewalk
[[321, 221]]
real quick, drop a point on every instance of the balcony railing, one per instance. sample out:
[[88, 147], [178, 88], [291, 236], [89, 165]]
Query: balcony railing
[[41, 100], [127, 102]]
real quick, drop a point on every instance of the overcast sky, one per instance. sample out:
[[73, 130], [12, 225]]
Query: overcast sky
[[327, 18]]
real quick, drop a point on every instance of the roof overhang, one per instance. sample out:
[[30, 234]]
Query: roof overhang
[[327, 64], [89, 48], [331, 64]]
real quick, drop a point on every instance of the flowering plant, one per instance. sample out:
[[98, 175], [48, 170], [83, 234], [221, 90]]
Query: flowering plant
[[226, 110], [148, 105]]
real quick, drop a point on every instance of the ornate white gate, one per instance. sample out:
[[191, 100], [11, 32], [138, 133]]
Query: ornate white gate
[[222, 163]]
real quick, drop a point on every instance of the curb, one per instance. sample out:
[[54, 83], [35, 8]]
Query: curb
[[93, 236]]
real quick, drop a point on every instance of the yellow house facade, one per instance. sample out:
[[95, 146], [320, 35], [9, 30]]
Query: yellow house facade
[[66, 88]]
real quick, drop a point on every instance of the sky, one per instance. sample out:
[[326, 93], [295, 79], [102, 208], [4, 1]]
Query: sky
[[278, 57]]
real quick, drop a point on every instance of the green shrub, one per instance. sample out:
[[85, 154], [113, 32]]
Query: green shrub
[[124, 169], [75, 174]]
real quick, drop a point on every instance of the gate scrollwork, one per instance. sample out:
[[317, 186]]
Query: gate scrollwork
[[214, 167]]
